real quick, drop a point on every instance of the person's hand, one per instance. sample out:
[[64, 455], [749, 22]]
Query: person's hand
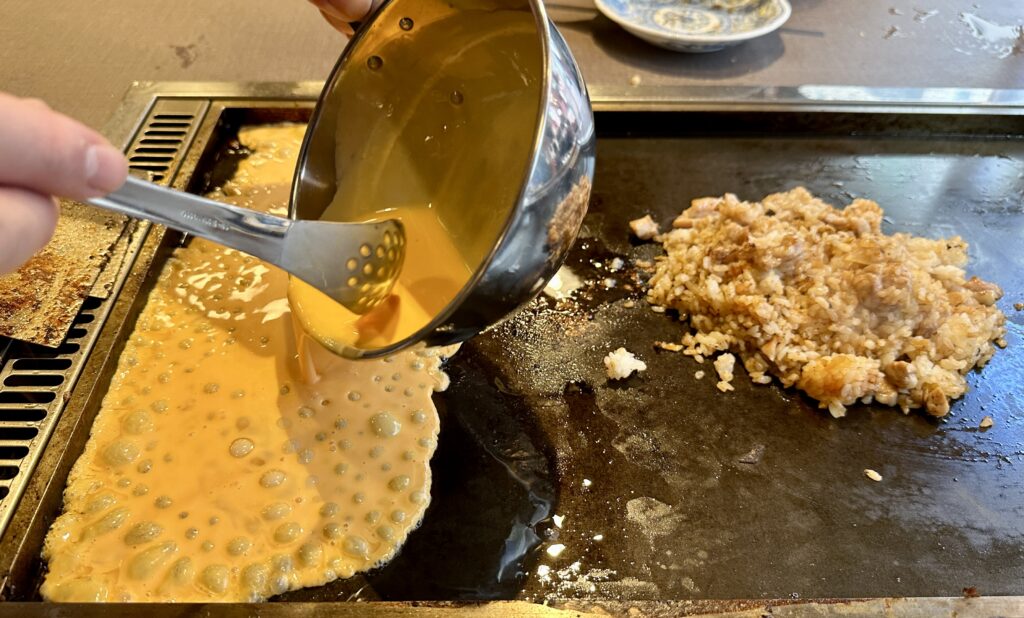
[[341, 13], [43, 154]]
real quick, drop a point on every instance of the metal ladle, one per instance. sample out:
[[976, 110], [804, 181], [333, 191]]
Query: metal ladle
[[356, 264], [477, 110]]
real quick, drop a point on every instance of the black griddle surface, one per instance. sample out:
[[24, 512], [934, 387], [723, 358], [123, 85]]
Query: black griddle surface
[[698, 494], [756, 493]]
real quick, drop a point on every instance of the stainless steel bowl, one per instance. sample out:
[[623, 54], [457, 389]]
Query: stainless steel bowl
[[477, 107]]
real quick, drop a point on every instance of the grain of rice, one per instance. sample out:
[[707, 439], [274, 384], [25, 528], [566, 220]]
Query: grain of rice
[[621, 364], [724, 365]]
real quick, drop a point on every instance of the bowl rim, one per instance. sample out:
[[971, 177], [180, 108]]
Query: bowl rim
[[632, 26]]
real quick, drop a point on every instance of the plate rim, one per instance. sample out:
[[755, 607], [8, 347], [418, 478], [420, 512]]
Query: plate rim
[[738, 37]]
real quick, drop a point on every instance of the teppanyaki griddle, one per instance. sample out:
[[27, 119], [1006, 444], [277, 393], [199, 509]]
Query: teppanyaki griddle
[[664, 488]]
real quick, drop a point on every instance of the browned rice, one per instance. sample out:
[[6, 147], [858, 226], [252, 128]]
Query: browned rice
[[820, 298]]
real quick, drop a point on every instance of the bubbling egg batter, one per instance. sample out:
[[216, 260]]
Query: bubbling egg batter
[[214, 471]]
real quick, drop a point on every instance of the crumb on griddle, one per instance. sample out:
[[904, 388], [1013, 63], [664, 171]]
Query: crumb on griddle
[[724, 365], [753, 456], [621, 364]]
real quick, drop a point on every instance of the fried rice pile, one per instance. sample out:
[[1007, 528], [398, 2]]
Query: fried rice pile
[[821, 299]]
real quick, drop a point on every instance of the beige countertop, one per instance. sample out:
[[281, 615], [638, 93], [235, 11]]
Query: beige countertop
[[81, 55]]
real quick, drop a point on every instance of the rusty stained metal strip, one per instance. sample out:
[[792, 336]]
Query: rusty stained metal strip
[[39, 301]]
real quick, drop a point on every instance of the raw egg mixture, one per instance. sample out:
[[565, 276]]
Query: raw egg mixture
[[419, 294], [223, 464]]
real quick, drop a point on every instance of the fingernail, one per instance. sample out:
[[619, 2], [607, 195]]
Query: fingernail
[[105, 168]]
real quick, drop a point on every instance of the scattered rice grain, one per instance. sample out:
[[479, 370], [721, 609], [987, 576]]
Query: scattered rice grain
[[644, 228]]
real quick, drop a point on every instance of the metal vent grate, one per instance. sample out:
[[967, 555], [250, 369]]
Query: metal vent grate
[[158, 150], [35, 381], [32, 385]]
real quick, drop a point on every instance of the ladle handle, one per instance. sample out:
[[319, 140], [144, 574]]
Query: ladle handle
[[256, 233]]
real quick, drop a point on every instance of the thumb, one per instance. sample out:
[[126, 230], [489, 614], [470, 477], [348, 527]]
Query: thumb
[[27, 221], [49, 153]]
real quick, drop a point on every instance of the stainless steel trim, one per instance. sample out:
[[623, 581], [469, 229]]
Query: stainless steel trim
[[809, 97], [907, 607], [647, 98]]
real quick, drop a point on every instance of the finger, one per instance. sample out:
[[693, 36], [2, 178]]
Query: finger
[[340, 25], [47, 152], [27, 221], [344, 10]]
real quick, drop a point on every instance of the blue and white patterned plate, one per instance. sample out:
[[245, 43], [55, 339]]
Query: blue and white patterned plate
[[696, 25]]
